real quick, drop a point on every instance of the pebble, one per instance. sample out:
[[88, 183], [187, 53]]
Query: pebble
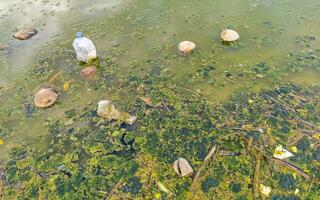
[[228, 35], [186, 47]]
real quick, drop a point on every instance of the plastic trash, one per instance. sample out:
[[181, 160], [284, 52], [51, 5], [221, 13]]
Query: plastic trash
[[84, 48], [281, 153]]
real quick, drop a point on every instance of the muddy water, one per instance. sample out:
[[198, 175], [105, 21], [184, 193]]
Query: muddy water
[[147, 34]]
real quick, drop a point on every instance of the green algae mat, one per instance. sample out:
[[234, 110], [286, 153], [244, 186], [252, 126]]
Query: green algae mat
[[228, 121]]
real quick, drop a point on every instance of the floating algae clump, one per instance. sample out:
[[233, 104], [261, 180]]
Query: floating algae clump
[[209, 183]]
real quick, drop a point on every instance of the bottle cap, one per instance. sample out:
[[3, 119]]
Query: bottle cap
[[79, 34]]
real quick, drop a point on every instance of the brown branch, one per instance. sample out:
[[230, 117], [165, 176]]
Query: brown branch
[[210, 155], [292, 110], [291, 166], [113, 191], [2, 184], [54, 77], [256, 176]]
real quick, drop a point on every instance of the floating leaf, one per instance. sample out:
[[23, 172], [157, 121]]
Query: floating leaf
[[66, 86], [1, 141]]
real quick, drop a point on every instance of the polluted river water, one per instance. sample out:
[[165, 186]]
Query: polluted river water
[[185, 103]]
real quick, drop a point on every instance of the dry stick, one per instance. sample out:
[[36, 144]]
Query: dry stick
[[113, 190], [54, 77], [291, 166], [293, 110], [2, 184], [256, 179], [309, 188], [205, 161], [281, 162]]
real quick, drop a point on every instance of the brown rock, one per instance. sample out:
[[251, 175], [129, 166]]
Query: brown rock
[[25, 33], [45, 97], [89, 73], [186, 47], [228, 35]]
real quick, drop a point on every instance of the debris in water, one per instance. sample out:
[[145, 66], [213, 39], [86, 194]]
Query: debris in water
[[146, 100], [25, 33], [45, 97], [265, 190], [84, 47], [140, 89], [228, 35], [1, 141], [89, 73], [107, 110], [281, 153], [131, 119], [186, 47], [66, 86], [182, 167], [163, 188]]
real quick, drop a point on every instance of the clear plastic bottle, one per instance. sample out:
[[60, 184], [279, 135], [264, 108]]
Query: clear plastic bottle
[[84, 48]]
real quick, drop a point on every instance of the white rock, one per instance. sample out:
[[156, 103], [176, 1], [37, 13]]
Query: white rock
[[107, 110]]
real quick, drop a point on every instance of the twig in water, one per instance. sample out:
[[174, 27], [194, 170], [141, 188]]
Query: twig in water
[[54, 77], [210, 155], [113, 190], [291, 166], [309, 188], [256, 176]]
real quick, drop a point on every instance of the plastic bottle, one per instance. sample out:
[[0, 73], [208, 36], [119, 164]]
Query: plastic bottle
[[84, 48]]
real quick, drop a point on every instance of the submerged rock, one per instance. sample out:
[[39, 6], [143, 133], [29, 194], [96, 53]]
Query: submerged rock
[[45, 97], [89, 73], [186, 47], [25, 33], [182, 167], [228, 35]]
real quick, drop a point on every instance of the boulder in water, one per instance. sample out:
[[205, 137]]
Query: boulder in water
[[45, 97], [186, 47], [25, 33], [228, 35]]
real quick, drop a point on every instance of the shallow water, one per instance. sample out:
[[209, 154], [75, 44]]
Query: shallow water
[[151, 30], [141, 35]]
